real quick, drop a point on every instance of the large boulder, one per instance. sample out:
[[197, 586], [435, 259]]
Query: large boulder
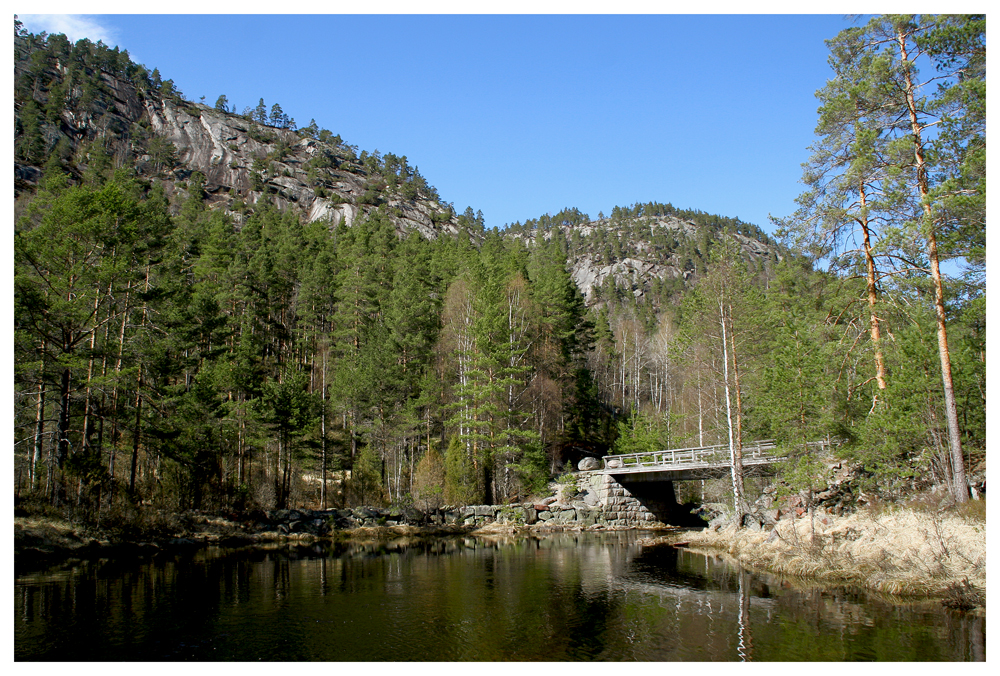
[[413, 516], [589, 464]]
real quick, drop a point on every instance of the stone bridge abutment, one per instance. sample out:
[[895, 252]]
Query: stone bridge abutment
[[640, 503]]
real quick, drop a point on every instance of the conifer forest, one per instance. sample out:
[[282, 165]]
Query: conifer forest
[[264, 316]]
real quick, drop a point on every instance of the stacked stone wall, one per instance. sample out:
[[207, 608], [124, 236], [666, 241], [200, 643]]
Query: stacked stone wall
[[601, 502], [620, 508]]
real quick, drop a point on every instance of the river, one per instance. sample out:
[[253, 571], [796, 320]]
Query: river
[[563, 597]]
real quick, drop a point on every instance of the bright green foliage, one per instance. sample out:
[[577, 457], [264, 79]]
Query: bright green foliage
[[460, 482], [642, 432], [365, 484], [957, 46], [30, 145], [219, 360], [793, 387], [286, 407], [85, 261]]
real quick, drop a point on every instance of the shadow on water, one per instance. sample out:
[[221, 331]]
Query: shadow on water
[[567, 597]]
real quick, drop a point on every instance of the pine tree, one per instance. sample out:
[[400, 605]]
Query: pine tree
[[890, 120], [286, 406], [278, 117]]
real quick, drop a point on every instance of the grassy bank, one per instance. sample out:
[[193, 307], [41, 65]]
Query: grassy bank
[[900, 551], [47, 538]]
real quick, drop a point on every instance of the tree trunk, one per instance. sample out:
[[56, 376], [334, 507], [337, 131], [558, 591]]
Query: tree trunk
[[136, 433], [735, 459], [322, 425], [738, 448], [36, 454], [62, 451], [85, 440], [279, 483], [960, 484], [136, 436], [872, 290], [114, 391]]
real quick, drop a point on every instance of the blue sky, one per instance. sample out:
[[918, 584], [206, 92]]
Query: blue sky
[[521, 115]]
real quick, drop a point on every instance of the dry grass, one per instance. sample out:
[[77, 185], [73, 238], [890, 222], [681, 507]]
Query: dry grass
[[902, 551], [46, 532]]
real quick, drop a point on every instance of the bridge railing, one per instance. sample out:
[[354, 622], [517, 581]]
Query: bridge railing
[[756, 452], [699, 456]]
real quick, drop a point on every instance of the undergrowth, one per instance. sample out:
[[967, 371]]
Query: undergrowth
[[902, 550]]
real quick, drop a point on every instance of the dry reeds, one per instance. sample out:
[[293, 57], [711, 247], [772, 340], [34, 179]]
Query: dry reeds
[[903, 551]]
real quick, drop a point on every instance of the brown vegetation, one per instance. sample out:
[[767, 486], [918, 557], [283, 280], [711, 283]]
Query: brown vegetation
[[904, 551]]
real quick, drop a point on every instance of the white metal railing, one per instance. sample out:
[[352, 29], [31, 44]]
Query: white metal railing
[[757, 452]]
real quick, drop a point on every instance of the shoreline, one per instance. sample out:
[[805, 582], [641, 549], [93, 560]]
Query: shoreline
[[901, 553], [904, 554], [41, 542]]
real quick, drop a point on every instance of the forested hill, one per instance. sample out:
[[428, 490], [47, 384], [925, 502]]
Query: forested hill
[[228, 310], [85, 107], [646, 255]]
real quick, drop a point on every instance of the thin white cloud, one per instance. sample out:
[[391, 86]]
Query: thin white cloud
[[74, 26]]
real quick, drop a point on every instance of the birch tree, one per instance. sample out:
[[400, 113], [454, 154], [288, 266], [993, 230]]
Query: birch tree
[[722, 312]]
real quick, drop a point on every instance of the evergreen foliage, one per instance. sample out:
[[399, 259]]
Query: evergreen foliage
[[188, 356]]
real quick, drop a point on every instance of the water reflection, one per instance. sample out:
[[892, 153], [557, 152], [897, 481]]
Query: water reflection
[[565, 597], [745, 643]]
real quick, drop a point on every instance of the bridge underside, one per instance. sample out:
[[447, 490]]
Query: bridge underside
[[652, 490]]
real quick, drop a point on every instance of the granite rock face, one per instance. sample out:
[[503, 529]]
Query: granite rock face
[[239, 164], [641, 263], [252, 161], [242, 162]]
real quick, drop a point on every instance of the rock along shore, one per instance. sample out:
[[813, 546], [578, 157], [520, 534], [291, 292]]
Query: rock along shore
[[900, 552], [42, 541]]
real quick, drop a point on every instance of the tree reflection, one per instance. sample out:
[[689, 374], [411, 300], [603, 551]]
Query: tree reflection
[[745, 644], [572, 598]]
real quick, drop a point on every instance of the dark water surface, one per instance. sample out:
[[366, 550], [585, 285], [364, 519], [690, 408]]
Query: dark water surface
[[562, 597]]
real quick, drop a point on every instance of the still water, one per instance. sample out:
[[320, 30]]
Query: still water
[[563, 597]]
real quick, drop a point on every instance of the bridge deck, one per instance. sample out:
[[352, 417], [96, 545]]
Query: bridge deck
[[681, 462]]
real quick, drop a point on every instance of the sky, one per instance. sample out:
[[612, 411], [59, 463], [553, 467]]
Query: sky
[[520, 115]]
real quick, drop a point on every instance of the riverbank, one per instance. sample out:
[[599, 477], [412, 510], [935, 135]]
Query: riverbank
[[898, 551], [42, 540]]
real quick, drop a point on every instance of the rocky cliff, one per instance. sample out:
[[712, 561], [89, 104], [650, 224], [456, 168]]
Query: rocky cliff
[[85, 106], [242, 160], [636, 258], [89, 109]]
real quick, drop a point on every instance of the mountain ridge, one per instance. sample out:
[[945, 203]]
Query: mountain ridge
[[115, 107]]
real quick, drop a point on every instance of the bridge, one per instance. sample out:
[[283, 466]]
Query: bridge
[[640, 486], [701, 462]]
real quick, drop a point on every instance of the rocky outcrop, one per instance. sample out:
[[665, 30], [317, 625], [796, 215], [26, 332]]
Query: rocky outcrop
[[541, 515], [243, 162], [238, 164], [650, 252], [323, 182]]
